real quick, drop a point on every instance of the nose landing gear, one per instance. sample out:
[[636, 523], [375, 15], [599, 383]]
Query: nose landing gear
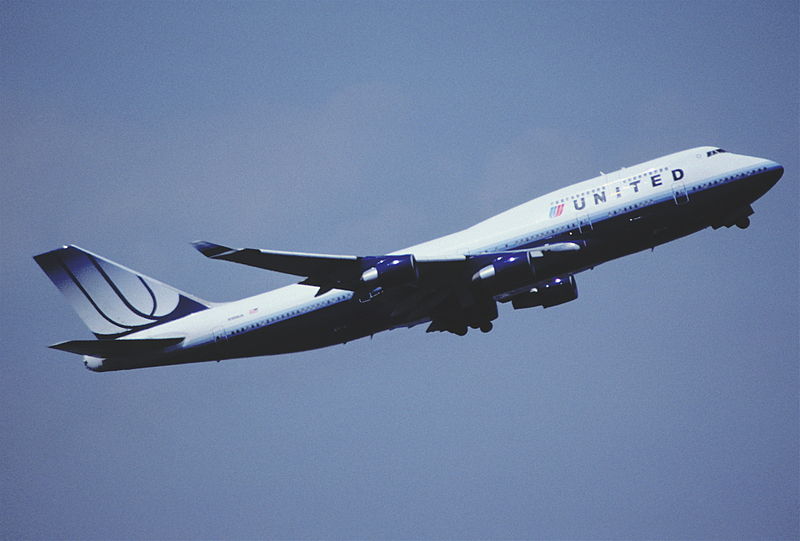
[[738, 217]]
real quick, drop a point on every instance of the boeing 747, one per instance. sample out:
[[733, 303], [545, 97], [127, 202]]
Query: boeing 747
[[527, 256]]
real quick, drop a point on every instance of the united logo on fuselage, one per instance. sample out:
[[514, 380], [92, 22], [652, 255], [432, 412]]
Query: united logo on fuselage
[[556, 210], [598, 196]]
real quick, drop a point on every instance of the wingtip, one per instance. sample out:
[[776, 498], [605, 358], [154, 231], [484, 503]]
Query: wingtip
[[209, 249], [38, 257]]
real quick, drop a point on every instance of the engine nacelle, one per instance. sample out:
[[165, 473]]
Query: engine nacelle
[[506, 273], [390, 271], [550, 293]]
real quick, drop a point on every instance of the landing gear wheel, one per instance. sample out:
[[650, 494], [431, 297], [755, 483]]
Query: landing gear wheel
[[460, 331], [743, 223], [487, 326]]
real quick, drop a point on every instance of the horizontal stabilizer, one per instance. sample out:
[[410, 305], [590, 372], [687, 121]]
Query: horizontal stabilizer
[[117, 348]]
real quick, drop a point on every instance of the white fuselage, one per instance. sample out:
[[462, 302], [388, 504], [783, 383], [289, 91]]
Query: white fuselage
[[673, 180]]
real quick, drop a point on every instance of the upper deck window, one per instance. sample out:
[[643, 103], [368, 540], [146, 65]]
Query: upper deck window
[[715, 151]]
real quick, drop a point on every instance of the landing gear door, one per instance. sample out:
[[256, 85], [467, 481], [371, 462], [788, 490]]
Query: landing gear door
[[679, 193]]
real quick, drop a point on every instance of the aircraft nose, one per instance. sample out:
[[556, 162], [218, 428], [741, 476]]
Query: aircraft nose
[[775, 172], [766, 179]]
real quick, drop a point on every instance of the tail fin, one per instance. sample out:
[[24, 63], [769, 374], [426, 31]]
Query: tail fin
[[113, 300]]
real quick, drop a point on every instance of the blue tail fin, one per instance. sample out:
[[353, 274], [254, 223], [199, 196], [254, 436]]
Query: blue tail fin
[[111, 299]]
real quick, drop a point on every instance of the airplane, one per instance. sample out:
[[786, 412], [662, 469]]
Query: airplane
[[527, 256]]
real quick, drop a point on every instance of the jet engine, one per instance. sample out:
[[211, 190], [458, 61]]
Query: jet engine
[[506, 273], [387, 272], [550, 293], [391, 271]]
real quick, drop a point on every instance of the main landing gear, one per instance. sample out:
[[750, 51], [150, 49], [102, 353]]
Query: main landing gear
[[485, 327], [460, 329], [459, 318], [740, 217]]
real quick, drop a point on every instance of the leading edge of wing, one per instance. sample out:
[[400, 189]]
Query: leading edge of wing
[[342, 270], [296, 263], [323, 270]]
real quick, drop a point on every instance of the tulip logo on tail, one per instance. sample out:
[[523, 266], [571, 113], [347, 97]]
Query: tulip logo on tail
[[113, 300]]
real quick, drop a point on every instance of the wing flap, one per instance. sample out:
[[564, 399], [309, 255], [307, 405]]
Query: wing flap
[[116, 348]]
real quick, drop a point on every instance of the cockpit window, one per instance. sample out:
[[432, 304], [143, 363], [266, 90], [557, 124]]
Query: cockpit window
[[715, 151]]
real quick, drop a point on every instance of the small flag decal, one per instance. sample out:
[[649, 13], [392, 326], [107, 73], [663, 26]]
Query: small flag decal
[[556, 210]]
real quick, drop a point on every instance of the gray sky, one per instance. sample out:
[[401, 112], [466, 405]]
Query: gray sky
[[663, 403]]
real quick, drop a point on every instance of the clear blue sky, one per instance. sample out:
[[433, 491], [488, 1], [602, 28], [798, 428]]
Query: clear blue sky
[[662, 404]]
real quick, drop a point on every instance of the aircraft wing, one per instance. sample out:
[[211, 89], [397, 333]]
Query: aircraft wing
[[322, 270], [438, 289], [297, 263], [351, 272]]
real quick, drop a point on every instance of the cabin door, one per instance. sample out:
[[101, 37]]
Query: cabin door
[[220, 339], [679, 193], [584, 223]]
